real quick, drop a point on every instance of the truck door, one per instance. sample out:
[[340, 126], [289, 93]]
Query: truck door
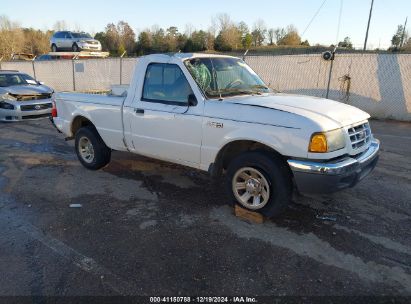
[[162, 124]]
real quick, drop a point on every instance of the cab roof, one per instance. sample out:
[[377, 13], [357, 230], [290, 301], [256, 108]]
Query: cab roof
[[183, 56], [9, 71]]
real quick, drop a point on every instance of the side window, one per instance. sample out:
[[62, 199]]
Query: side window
[[166, 83]]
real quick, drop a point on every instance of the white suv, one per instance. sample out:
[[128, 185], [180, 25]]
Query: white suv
[[75, 42]]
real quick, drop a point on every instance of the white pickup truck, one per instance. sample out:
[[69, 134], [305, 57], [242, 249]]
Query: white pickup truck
[[214, 113]]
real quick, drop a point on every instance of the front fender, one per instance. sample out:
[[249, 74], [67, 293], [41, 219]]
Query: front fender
[[288, 142]]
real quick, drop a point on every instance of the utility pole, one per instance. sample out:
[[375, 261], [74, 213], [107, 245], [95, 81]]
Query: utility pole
[[368, 26], [403, 33]]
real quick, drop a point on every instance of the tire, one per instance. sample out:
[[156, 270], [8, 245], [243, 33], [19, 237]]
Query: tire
[[54, 48], [91, 150], [263, 175], [75, 48]]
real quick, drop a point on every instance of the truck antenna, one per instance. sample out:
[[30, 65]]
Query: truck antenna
[[245, 54]]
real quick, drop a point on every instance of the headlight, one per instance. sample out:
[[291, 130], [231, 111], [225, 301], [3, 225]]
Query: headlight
[[7, 97], [323, 142], [6, 106]]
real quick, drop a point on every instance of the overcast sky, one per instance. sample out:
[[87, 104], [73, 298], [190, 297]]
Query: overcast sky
[[92, 16]]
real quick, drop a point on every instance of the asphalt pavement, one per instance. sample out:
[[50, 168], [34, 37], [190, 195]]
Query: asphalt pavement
[[145, 227]]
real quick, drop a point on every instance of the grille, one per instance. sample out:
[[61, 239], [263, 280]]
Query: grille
[[32, 97], [360, 135], [35, 116], [37, 107]]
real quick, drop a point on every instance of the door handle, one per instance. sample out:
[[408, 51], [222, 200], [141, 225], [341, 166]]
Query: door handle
[[139, 111]]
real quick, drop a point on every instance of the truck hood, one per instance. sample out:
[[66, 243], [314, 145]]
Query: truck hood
[[26, 90], [314, 108]]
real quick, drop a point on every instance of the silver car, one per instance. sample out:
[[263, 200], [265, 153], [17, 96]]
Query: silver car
[[75, 42], [22, 97]]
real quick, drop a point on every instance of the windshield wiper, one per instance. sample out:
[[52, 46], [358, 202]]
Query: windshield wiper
[[240, 92], [260, 86]]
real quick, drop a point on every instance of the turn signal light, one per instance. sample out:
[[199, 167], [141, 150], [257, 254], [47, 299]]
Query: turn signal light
[[318, 143]]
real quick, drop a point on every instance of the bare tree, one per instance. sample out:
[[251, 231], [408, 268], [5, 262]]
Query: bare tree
[[127, 37], [77, 28], [291, 37], [279, 33], [11, 37], [224, 22], [189, 29], [36, 41], [271, 36], [259, 32], [229, 36], [60, 25]]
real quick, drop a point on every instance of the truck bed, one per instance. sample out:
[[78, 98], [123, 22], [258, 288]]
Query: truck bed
[[104, 110]]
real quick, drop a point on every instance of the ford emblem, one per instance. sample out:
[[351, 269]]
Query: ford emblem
[[361, 135]]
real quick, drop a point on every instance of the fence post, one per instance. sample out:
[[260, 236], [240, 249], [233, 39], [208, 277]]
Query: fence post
[[34, 69], [121, 67], [74, 75], [1, 59], [330, 73]]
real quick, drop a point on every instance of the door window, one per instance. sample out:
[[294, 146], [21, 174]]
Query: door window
[[166, 83]]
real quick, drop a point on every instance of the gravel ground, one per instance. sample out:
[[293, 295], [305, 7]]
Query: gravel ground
[[152, 228]]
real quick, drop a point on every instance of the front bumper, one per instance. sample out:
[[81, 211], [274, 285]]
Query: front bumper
[[29, 112], [89, 47], [327, 177]]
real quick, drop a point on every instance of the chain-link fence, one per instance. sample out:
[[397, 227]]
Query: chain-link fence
[[380, 84], [86, 75]]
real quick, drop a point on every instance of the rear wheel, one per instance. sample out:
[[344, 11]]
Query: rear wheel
[[54, 48], [91, 150], [260, 182], [75, 48]]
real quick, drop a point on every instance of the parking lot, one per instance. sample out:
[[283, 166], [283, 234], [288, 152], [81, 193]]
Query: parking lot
[[151, 228]]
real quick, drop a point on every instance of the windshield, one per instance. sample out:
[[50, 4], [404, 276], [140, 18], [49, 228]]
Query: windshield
[[80, 35], [225, 77], [7, 80]]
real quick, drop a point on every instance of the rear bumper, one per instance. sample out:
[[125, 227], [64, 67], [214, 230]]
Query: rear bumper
[[327, 177]]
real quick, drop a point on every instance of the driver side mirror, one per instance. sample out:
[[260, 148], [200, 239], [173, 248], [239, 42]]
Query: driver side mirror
[[192, 100]]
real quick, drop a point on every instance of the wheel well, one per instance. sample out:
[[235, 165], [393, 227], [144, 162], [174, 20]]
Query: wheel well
[[234, 149], [78, 122]]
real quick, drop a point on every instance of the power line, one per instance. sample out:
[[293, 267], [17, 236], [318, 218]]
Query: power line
[[339, 22], [403, 33], [312, 19], [368, 26]]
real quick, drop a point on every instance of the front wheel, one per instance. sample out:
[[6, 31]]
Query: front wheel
[[54, 48], [260, 182], [91, 150]]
